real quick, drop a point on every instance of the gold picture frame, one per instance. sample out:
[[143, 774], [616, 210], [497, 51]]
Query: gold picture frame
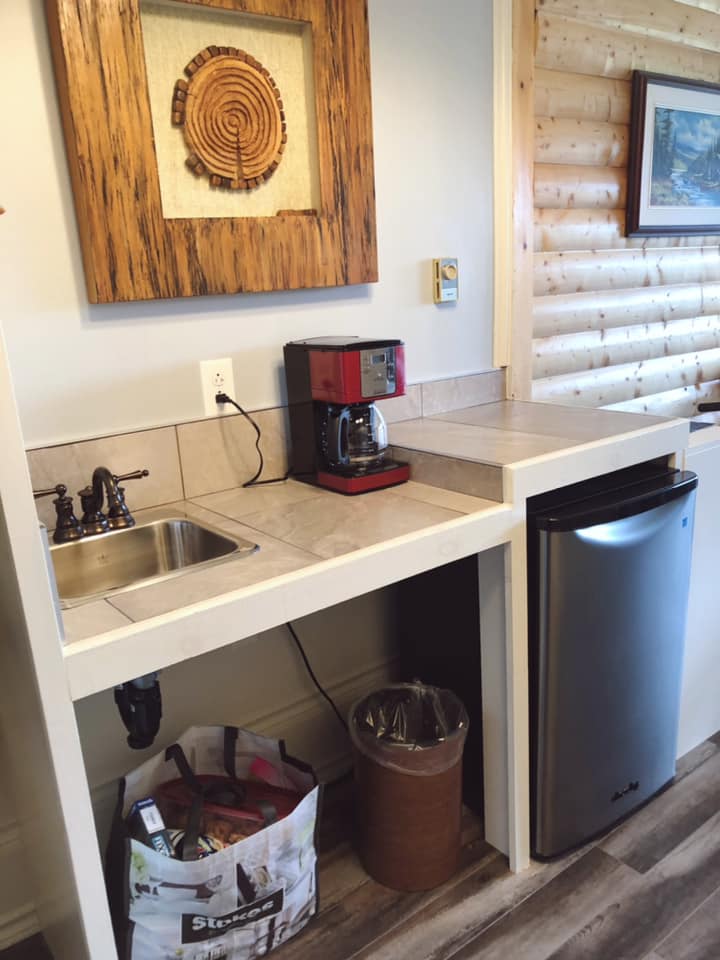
[[130, 251]]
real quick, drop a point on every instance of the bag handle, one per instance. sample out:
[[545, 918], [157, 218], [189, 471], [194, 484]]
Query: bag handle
[[192, 830], [268, 811], [213, 792], [228, 794], [175, 752], [231, 736]]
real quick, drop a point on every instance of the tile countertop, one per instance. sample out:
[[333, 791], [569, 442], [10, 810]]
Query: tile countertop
[[513, 431], [294, 524], [523, 448], [706, 430], [318, 548]]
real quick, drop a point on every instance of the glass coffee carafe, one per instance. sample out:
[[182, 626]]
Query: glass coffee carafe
[[354, 438]]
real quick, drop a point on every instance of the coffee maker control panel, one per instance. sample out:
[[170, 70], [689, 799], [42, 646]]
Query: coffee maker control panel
[[344, 370], [377, 372]]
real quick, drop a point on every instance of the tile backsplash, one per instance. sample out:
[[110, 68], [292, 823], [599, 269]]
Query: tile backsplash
[[206, 456], [73, 465], [403, 408], [440, 396], [220, 453], [463, 476]]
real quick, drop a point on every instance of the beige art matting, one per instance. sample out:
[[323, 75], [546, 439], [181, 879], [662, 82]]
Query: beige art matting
[[173, 33]]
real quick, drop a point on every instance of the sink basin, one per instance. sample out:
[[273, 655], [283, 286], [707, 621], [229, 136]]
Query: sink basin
[[121, 559]]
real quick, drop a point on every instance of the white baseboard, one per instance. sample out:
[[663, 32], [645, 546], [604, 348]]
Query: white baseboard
[[18, 925], [18, 919]]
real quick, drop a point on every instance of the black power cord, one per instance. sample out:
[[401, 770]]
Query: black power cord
[[221, 397], [253, 482], [348, 773], [314, 679]]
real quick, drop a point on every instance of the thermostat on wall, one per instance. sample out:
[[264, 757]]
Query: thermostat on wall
[[445, 280]]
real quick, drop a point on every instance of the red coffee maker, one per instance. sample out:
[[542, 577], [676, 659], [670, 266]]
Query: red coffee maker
[[338, 435]]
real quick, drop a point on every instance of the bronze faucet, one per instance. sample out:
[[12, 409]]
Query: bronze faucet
[[118, 515], [68, 526]]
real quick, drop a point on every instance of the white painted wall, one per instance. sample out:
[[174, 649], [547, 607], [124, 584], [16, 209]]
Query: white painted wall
[[82, 370]]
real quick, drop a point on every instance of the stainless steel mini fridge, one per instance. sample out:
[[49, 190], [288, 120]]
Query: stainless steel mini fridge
[[608, 568]]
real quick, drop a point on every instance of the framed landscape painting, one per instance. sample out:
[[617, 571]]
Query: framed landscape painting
[[674, 159]]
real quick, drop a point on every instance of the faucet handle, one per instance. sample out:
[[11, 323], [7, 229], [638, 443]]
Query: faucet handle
[[67, 527], [59, 490], [134, 475], [119, 516]]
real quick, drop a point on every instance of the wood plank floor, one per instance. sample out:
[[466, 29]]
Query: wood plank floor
[[650, 890]]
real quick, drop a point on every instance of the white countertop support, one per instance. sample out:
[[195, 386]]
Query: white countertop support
[[504, 675], [121, 654], [47, 773], [528, 477], [518, 743]]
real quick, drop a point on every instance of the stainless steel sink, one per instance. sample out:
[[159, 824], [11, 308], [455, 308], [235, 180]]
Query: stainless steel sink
[[150, 552]]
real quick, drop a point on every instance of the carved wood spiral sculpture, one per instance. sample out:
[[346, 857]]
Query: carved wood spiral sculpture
[[232, 117]]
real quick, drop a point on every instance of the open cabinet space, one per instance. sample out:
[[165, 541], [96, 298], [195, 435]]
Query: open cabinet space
[[260, 684]]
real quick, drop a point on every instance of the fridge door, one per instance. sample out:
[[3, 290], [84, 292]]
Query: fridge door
[[606, 648]]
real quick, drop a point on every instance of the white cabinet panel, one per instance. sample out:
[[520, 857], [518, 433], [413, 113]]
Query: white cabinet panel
[[700, 704]]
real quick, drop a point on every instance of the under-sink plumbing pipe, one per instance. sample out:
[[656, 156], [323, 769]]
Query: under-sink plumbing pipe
[[140, 705]]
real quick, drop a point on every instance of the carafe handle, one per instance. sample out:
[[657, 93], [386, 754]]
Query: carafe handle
[[338, 436]]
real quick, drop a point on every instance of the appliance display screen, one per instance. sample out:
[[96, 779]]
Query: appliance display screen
[[377, 372]]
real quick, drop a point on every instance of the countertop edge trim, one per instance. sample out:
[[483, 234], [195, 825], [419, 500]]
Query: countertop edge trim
[[98, 663]]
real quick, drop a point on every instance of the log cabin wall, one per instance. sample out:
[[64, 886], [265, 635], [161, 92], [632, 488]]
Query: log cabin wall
[[632, 324]]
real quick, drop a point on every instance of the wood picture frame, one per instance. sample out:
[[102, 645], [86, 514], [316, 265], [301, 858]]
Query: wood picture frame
[[674, 157], [130, 251]]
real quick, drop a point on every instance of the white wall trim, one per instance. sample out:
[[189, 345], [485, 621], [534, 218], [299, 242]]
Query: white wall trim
[[9, 836], [297, 721], [343, 691], [18, 925], [502, 180], [19, 922]]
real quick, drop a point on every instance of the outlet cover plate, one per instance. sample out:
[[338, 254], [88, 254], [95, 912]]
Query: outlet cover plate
[[216, 376]]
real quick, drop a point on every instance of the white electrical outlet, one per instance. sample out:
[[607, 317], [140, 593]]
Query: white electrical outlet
[[216, 376]]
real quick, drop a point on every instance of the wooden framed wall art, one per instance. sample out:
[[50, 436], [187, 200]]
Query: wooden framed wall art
[[217, 146], [674, 165]]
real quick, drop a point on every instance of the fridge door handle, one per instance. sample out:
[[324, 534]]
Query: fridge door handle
[[627, 532], [628, 503]]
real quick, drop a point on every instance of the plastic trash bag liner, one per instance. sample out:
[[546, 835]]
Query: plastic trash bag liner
[[410, 727]]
